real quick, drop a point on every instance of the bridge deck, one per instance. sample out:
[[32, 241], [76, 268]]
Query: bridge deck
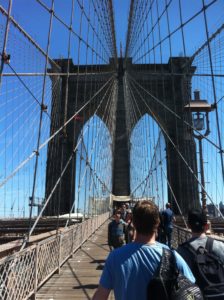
[[79, 276]]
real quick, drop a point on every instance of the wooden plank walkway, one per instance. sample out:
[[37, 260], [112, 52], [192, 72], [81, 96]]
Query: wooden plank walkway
[[79, 276]]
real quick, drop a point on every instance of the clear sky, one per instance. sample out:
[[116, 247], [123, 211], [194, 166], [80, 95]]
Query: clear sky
[[17, 103], [121, 11], [34, 20]]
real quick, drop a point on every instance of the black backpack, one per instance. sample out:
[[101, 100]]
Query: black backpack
[[208, 270], [169, 284]]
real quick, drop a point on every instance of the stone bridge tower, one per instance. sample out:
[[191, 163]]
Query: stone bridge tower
[[178, 91]]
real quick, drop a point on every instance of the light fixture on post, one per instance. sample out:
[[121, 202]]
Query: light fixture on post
[[200, 112]]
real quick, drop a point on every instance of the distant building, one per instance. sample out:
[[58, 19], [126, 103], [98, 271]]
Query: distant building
[[221, 207], [212, 210]]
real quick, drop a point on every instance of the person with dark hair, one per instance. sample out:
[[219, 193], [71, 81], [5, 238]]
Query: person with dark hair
[[123, 211], [161, 236], [129, 230], [116, 231], [204, 255], [168, 218], [198, 223], [129, 269]]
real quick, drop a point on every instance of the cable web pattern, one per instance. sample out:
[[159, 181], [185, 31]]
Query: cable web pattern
[[57, 115], [63, 90], [170, 42], [17, 276], [53, 82], [23, 272]]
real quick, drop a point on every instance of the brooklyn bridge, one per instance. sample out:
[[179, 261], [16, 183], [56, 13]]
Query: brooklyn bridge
[[103, 103]]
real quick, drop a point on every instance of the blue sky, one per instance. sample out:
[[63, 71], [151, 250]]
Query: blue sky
[[121, 11], [18, 104], [34, 19]]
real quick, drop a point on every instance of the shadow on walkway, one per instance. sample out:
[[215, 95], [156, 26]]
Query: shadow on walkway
[[79, 276]]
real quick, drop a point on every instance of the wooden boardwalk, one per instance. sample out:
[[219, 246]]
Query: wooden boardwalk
[[79, 276]]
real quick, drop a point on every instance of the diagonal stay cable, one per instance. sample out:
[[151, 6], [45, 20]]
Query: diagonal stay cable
[[176, 30], [5, 40], [53, 135], [26, 35], [177, 150], [26, 239], [26, 87], [42, 109], [174, 197], [174, 113], [93, 171], [133, 97], [198, 51], [154, 154], [72, 31], [89, 160], [132, 118], [151, 168]]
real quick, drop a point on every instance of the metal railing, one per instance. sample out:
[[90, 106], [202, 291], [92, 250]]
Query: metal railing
[[22, 273], [180, 235]]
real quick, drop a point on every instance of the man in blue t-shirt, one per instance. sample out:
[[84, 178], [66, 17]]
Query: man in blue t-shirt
[[129, 269], [168, 218]]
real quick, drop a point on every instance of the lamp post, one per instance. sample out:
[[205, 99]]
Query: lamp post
[[200, 109]]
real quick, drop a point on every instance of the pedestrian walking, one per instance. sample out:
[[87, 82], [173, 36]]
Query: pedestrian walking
[[205, 256], [168, 219], [129, 269], [129, 230], [116, 231]]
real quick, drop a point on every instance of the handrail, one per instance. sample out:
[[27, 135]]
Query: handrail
[[22, 273], [180, 235]]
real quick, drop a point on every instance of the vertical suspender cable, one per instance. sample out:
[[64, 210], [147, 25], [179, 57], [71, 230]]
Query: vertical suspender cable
[[214, 89], [4, 54], [42, 107]]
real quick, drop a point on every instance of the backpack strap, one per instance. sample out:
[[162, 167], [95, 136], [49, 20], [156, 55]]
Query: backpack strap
[[190, 248], [167, 272], [189, 253], [168, 266], [209, 244], [208, 247], [160, 285]]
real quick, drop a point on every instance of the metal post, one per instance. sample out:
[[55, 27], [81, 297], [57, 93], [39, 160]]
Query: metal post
[[73, 241], [203, 194], [5, 40], [59, 253], [178, 236], [36, 273], [42, 110]]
